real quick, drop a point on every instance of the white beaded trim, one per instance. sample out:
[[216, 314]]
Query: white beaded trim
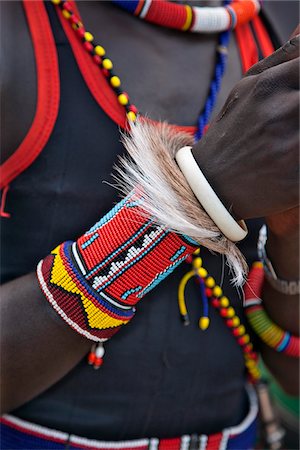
[[63, 315], [210, 20], [185, 440], [145, 8]]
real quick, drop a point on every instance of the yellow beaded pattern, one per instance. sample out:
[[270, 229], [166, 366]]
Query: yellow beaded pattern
[[97, 318]]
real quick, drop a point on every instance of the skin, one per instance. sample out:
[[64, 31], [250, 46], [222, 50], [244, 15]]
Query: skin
[[240, 159]]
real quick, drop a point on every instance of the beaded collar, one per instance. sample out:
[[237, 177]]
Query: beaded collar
[[192, 18]]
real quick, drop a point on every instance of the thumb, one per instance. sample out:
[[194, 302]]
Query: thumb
[[289, 51]]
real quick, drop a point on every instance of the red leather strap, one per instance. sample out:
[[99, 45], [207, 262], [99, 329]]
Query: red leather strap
[[47, 94], [262, 35], [247, 46]]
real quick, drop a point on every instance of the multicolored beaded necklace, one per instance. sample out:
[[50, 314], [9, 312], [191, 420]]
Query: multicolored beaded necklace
[[192, 18], [209, 289]]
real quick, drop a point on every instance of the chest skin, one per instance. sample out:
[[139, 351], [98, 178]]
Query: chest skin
[[166, 72]]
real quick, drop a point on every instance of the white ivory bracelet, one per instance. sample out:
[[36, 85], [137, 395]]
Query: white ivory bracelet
[[233, 230]]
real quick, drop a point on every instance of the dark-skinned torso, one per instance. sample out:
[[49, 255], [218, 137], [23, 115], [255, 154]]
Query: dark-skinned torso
[[154, 366]]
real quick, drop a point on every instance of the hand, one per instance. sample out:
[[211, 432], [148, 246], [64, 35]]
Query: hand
[[250, 153]]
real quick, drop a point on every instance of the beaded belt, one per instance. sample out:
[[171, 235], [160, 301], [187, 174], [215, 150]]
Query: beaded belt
[[19, 434]]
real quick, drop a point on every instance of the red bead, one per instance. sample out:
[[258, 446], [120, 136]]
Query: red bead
[[68, 7], [97, 60], [98, 363], [106, 73], [189, 259], [209, 292], [223, 312], [91, 358], [248, 348], [74, 19], [229, 323], [80, 32], [135, 110], [241, 340], [88, 46], [215, 302], [235, 332]]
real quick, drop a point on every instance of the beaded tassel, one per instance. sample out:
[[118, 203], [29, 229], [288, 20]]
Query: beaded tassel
[[95, 357]]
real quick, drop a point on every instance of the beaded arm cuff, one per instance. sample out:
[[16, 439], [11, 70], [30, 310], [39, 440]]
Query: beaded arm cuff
[[95, 282], [270, 333]]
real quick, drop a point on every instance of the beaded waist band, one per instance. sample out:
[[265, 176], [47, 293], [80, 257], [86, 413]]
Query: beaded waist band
[[20, 434]]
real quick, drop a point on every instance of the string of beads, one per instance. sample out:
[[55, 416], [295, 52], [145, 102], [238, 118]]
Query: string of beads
[[214, 293], [100, 57], [192, 18], [270, 333]]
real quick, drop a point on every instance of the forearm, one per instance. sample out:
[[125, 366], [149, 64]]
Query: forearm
[[37, 347], [283, 251]]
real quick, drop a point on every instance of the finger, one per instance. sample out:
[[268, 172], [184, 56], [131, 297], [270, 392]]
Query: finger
[[289, 51]]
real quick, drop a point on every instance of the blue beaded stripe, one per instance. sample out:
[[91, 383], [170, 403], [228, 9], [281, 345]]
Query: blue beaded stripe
[[90, 241], [128, 5], [178, 253], [160, 277], [215, 84], [130, 291], [110, 215], [246, 440], [67, 250], [203, 296], [10, 438], [284, 343]]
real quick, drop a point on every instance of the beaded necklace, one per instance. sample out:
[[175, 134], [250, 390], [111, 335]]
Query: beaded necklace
[[192, 18], [209, 289]]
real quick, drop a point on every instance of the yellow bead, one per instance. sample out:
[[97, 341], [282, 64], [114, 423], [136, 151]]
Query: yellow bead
[[196, 252], [230, 312], [241, 330], [258, 264], [115, 81], [217, 291], [224, 302], [236, 321], [197, 263], [107, 64], [131, 116], [123, 99], [246, 338], [56, 2], [66, 14], [250, 363], [88, 36], [204, 323], [99, 50], [202, 272], [210, 282]]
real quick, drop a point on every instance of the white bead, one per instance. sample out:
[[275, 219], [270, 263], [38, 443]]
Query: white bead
[[210, 20], [100, 351]]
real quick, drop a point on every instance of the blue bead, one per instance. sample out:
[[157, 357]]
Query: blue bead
[[128, 5]]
